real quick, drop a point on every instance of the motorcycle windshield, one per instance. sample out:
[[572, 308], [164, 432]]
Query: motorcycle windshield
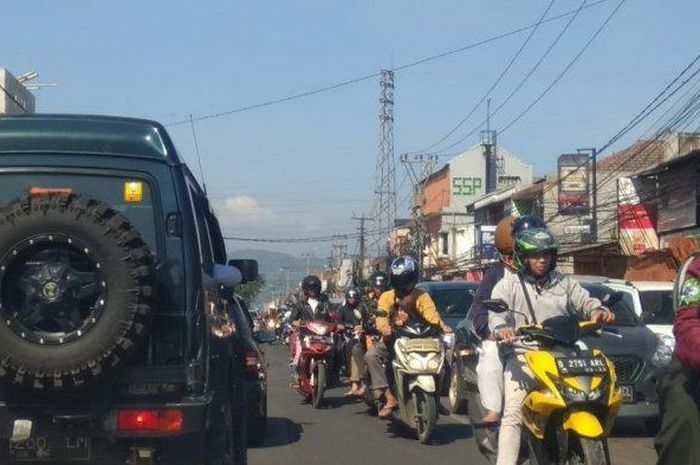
[[563, 329]]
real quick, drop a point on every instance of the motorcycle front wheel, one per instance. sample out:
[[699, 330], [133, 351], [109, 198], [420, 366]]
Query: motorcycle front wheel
[[426, 411], [319, 386], [589, 452]]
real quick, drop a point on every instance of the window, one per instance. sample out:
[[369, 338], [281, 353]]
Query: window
[[105, 188], [445, 243], [657, 306], [199, 205]]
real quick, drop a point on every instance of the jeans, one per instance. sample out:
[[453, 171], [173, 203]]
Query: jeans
[[489, 372]]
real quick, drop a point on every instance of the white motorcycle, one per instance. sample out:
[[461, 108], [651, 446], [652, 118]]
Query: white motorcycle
[[417, 370]]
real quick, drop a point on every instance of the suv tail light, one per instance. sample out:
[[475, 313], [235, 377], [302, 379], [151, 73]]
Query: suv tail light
[[252, 362], [150, 420]]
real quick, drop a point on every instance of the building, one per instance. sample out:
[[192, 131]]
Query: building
[[15, 98], [444, 197]]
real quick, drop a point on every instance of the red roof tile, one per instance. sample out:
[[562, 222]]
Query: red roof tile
[[640, 155]]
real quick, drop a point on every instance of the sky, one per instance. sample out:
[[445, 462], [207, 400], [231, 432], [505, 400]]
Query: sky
[[303, 168]]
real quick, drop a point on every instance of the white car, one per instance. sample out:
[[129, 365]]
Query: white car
[[652, 301]]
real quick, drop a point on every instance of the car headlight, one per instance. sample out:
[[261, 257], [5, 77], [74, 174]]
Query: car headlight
[[670, 341], [662, 355]]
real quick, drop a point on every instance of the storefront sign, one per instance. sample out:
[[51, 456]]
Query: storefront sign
[[574, 172], [487, 241], [637, 219]]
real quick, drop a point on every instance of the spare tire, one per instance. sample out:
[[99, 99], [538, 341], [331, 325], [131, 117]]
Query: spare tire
[[75, 291]]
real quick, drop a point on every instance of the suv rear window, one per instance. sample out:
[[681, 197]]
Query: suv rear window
[[107, 189], [624, 314], [657, 307]]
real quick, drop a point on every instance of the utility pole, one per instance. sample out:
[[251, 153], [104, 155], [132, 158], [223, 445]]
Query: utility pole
[[385, 172], [308, 262], [489, 140], [594, 191], [359, 268], [419, 177]]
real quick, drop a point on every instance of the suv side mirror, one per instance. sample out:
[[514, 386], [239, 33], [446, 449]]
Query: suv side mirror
[[248, 269], [611, 298], [227, 276]]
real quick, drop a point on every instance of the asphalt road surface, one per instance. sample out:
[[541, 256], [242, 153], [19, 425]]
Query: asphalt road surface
[[343, 433]]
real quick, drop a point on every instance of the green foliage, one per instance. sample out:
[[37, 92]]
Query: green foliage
[[250, 291]]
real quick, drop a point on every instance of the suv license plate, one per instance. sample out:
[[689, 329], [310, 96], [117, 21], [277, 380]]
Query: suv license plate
[[50, 448], [627, 394], [581, 366]]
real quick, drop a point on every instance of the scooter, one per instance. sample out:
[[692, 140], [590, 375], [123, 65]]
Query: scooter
[[317, 339], [417, 367], [570, 413]]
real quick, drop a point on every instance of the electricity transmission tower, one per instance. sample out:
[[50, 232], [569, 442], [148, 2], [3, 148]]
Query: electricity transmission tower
[[385, 173], [419, 168]]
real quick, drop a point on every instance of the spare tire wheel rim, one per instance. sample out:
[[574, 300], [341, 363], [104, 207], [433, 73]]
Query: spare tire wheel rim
[[53, 289]]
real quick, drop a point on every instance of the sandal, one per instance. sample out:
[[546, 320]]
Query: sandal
[[387, 411]]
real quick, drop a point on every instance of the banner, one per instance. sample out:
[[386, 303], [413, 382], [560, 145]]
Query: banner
[[487, 242], [574, 186], [637, 219]]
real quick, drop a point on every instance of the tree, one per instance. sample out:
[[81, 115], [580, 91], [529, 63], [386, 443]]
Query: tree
[[250, 291]]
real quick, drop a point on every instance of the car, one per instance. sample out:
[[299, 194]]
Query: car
[[255, 370], [115, 339], [640, 357]]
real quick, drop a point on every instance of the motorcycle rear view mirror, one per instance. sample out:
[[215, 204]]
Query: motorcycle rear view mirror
[[496, 305], [611, 298]]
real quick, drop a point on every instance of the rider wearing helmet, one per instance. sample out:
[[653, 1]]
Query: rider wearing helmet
[[351, 315], [556, 295], [314, 305], [490, 367], [379, 283], [404, 301]]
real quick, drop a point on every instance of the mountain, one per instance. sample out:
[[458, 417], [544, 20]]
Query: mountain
[[280, 269]]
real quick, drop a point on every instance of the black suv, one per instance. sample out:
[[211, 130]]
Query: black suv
[[115, 339]]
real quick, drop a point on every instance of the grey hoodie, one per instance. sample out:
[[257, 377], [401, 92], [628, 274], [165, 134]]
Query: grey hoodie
[[559, 295]]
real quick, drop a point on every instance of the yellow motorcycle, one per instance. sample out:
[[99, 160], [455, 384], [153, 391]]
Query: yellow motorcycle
[[572, 408]]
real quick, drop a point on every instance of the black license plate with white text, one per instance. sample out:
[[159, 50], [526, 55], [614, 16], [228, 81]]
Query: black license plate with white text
[[575, 366], [72, 447]]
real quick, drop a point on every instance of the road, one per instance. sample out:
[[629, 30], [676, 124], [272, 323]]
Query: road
[[343, 433]]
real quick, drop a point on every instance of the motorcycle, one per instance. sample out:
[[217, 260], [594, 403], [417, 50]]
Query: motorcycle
[[417, 368], [571, 411], [317, 340]]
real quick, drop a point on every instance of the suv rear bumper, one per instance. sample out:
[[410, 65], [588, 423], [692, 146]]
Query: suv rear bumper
[[100, 420]]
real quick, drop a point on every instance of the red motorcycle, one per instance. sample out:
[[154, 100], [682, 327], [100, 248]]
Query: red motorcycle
[[317, 344]]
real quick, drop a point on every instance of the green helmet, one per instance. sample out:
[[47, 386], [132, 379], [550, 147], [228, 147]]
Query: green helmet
[[533, 241]]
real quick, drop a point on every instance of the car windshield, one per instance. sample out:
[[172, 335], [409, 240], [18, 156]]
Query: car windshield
[[624, 314], [657, 306], [453, 301]]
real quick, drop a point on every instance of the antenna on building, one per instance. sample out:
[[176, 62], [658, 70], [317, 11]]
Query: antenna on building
[[493, 163], [385, 172]]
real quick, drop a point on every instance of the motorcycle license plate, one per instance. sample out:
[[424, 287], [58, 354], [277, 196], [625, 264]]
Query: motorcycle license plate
[[627, 394], [581, 366], [50, 448]]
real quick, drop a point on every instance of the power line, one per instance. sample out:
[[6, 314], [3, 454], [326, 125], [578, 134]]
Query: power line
[[348, 82], [199, 156], [526, 78], [494, 85], [565, 70]]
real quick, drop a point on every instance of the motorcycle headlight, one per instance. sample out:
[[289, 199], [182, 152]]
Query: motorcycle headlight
[[571, 394], [596, 394], [415, 363], [662, 355], [434, 362]]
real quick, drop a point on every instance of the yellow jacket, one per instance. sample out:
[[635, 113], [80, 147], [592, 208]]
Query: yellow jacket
[[425, 308]]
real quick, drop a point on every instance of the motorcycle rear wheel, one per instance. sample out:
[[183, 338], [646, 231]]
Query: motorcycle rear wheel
[[319, 386], [426, 410]]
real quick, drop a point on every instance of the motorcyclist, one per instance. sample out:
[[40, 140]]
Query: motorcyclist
[[351, 315], [535, 293], [490, 367], [312, 306], [379, 283], [400, 304], [679, 390]]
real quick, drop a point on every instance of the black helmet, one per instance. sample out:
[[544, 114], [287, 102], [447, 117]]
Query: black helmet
[[526, 222], [353, 294], [311, 282], [533, 241], [379, 279], [404, 273]]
